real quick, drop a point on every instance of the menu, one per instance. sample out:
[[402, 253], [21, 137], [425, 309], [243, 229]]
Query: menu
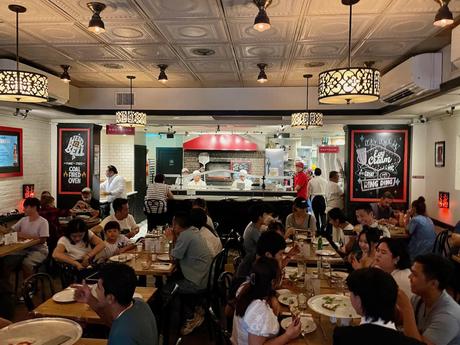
[[74, 155], [378, 163]]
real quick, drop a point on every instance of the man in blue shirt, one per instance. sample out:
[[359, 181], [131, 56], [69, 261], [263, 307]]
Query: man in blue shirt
[[132, 321]]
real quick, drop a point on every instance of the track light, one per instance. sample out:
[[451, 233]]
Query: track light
[[262, 77], [96, 25], [262, 22], [65, 77], [162, 77], [444, 16], [22, 112]]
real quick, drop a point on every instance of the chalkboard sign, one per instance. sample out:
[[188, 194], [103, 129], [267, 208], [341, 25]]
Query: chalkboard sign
[[378, 163], [73, 156]]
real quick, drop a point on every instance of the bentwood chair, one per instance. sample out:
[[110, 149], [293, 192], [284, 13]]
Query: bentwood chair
[[221, 336], [442, 244], [38, 283]]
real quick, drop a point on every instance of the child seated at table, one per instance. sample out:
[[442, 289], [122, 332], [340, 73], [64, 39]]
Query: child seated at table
[[115, 242], [79, 246]]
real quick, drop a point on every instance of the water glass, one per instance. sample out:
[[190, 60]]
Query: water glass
[[302, 302], [139, 247], [316, 284]]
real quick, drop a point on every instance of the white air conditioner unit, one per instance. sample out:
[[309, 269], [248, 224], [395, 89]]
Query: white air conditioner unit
[[455, 47], [412, 79], [58, 91]]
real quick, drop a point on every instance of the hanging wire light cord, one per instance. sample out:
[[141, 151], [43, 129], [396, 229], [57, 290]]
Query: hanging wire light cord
[[307, 94], [131, 94], [349, 35]]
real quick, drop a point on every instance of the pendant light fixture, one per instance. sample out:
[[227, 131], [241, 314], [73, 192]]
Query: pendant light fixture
[[308, 118], [262, 77], [131, 118], [262, 22], [22, 86], [65, 77], [96, 25], [444, 16], [162, 77], [350, 84]]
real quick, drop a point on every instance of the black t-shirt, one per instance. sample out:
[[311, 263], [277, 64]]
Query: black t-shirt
[[371, 334]]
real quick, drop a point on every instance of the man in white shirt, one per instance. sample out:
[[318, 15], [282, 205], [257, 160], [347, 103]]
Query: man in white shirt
[[334, 193], [31, 227], [114, 186], [128, 225], [316, 191], [242, 182], [197, 182]]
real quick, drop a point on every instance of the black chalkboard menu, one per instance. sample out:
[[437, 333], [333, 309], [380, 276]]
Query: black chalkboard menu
[[74, 154], [379, 162]]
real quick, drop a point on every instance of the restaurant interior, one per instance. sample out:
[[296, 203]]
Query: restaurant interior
[[127, 116]]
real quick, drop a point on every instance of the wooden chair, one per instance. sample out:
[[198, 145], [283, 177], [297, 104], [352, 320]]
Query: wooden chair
[[37, 283], [221, 336], [164, 319], [442, 244]]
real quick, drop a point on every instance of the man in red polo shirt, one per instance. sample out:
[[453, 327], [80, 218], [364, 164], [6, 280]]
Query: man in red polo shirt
[[300, 181]]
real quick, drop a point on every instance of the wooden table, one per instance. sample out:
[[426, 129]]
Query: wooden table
[[81, 311], [16, 247], [137, 265], [312, 259], [91, 341], [324, 331]]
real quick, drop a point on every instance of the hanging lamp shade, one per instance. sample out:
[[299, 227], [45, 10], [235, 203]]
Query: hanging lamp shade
[[307, 118], [350, 84], [131, 118], [22, 86]]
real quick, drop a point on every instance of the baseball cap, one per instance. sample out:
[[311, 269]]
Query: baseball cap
[[86, 190], [299, 164]]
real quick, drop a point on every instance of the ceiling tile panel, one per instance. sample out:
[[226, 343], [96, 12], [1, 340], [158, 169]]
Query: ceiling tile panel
[[318, 50], [385, 48], [37, 52], [221, 51], [88, 52], [273, 50], [130, 32], [247, 8], [37, 12], [328, 7], [152, 66], [193, 30], [8, 35], [200, 66], [75, 67], [405, 26], [418, 6], [282, 30], [250, 66], [148, 51], [221, 83], [59, 33], [109, 66], [335, 27], [218, 76], [165, 9]]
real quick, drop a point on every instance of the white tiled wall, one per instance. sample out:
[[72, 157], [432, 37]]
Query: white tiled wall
[[36, 157], [118, 150]]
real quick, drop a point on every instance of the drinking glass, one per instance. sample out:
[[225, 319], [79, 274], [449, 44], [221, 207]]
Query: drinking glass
[[316, 284], [139, 247], [302, 302], [300, 273]]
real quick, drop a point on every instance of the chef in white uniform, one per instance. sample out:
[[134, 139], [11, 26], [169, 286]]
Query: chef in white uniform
[[242, 183], [197, 182], [184, 180], [114, 186]]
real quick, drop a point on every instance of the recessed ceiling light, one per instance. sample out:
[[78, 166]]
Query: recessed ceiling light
[[314, 64], [203, 51], [112, 65]]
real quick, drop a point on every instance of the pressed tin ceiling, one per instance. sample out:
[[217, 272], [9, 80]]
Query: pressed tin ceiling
[[140, 34]]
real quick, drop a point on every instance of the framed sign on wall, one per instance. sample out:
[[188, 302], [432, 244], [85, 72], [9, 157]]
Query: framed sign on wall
[[379, 162], [10, 152], [439, 154]]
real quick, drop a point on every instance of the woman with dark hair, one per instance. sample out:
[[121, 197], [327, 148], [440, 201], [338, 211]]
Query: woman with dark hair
[[421, 230], [76, 246], [156, 202], [198, 218], [393, 258], [300, 218], [367, 241], [255, 321]]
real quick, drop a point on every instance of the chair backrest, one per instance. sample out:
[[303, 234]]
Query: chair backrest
[[154, 206], [164, 319], [37, 284], [224, 282], [234, 241], [216, 268], [221, 335], [441, 245]]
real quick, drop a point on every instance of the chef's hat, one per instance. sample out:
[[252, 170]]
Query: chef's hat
[[196, 172], [243, 172]]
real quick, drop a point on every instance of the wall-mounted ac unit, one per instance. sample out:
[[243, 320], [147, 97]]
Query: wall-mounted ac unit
[[412, 79], [58, 91]]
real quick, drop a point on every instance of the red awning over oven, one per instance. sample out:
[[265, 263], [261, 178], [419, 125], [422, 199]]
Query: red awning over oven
[[220, 142]]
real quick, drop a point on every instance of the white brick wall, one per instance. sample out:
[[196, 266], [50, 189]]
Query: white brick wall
[[36, 160], [118, 150]]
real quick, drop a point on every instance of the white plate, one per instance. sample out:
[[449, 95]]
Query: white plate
[[288, 299], [64, 296], [40, 330], [325, 241], [116, 258], [163, 257], [337, 274], [301, 237], [344, 310], [308, 325], [288, 240], [83, 216], [325, 252]]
